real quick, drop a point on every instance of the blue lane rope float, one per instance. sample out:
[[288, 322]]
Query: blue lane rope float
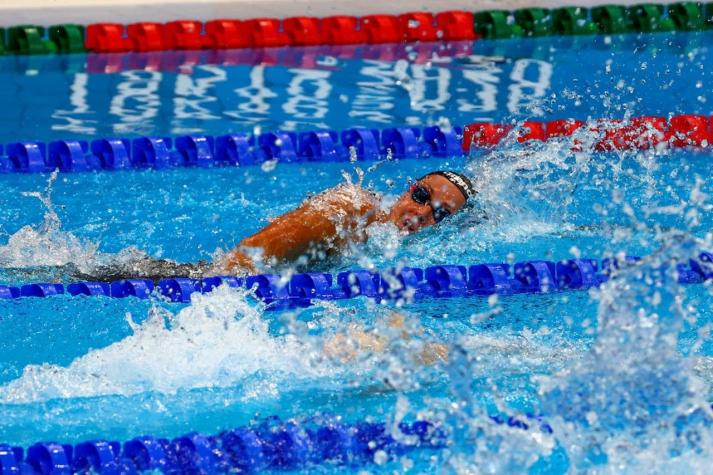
[[272, 444], [230, 150], [441, 281], [361, 144]]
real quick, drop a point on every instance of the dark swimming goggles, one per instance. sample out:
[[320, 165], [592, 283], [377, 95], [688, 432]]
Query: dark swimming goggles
[[421, 195]]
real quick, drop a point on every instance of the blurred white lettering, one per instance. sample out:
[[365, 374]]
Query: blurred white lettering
[[525, 95], [136, 101], [308, 92], [78, 101], [195, 95], [486, 77]]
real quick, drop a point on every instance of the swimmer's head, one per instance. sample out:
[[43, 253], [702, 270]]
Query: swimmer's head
[[431, 199]]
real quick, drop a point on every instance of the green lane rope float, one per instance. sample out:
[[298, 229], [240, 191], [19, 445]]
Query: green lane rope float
[[496, 24], [534, 21], [410, 26]]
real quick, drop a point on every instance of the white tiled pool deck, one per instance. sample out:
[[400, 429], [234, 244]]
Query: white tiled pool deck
[[47, 12]]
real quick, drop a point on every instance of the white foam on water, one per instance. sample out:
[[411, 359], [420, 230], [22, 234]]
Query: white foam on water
[[46, 244], [534, 182], [631, 400], [218, 341], [32, 247], [487, 365], [633, 394], [514, 230], [523, 353]]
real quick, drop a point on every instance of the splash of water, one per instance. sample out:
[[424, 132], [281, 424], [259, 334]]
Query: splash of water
[[218, 341], [534, 183], [479, 445], [46, 244], [633, 396]]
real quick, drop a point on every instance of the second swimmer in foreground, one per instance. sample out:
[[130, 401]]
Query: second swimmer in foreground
[[321, 226]]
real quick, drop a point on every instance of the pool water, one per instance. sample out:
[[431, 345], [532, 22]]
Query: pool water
[[622, 373], [171, 93]]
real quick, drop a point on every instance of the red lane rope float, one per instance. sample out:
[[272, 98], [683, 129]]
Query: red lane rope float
[[418, 26], [146, 36], [303, 31], [265, 33], [185, 34], [680, 131], [107, 38], [341, 30], [229, 33], [382, 29], [273, 32]]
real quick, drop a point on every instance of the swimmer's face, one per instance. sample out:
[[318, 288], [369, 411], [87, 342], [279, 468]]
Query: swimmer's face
[[410, 216]]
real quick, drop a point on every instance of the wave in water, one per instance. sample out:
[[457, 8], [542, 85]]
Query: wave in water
[[46, 244], [218, 341]]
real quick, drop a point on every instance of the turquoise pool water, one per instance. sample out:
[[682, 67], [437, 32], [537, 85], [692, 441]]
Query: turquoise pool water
[[622, 373]]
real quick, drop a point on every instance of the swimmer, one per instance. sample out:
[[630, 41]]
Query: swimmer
[[322, 226]]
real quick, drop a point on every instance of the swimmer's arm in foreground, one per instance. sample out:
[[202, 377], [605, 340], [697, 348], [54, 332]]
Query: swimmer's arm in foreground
[[322, 224]]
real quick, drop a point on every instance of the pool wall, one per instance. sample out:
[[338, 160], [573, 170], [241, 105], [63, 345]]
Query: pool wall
[[46, 12]]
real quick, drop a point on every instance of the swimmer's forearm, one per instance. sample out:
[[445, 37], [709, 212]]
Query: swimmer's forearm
[[321, 222], [286, 238], [289, 236]]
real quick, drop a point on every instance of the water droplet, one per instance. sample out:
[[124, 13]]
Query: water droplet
[[269, 166], [380, 457]]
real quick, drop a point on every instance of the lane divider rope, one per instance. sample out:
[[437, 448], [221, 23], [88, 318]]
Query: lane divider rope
[[273, 445], [605, 19], [358, 144], [637, 133], [441, 281], [344, 29], [230, 150], [270, 445], [233, 33]]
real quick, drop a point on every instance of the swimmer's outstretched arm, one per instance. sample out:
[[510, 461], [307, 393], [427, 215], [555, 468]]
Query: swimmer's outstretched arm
[[322, 223]]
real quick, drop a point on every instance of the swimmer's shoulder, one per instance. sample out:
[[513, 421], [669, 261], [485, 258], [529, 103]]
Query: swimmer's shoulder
[[348, 194]]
